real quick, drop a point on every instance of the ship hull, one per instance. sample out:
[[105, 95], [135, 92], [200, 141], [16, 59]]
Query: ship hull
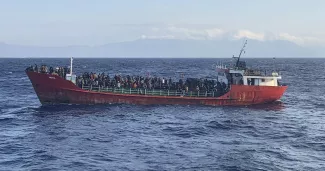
[[52, 89]]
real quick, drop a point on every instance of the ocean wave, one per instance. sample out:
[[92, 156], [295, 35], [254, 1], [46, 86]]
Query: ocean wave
[[285, 135]]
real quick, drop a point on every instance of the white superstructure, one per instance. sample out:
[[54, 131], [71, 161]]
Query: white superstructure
[[239, 74]]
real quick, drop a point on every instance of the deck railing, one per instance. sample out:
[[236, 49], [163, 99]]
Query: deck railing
[[152, 92]]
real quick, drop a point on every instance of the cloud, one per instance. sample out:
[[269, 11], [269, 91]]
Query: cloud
[[301, 40], [158, 37], [250, 35], [208, 33], [192, 32], [215, 32], [186, 33], [291, 38]]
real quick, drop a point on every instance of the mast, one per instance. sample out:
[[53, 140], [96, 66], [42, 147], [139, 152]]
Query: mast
[[71, 60], [241, 51]]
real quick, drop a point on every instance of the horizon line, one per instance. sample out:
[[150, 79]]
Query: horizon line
[[128, 57]]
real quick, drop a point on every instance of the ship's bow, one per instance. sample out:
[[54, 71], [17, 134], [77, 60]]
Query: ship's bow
[[49, 87]]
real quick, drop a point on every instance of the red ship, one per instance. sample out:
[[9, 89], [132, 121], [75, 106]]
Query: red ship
[[245, 87]]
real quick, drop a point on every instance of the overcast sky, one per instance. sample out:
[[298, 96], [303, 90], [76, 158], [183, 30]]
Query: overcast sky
[[96, 22]]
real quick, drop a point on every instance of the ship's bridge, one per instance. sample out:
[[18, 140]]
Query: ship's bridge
[[239, 74], [254, 77], [245, 76]]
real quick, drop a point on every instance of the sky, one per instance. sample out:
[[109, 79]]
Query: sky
[[98, 22]]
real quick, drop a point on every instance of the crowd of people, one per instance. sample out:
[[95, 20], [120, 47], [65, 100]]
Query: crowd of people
[[60, 71], [138, 82], [190, 84]]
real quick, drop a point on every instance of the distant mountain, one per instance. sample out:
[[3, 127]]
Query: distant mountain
[[167, 48]]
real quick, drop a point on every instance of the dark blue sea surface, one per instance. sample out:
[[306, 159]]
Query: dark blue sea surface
[[287, 135]]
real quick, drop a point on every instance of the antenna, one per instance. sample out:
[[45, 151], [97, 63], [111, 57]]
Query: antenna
[[241, 51]]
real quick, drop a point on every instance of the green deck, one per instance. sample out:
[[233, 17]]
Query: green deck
[[153, 92]]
